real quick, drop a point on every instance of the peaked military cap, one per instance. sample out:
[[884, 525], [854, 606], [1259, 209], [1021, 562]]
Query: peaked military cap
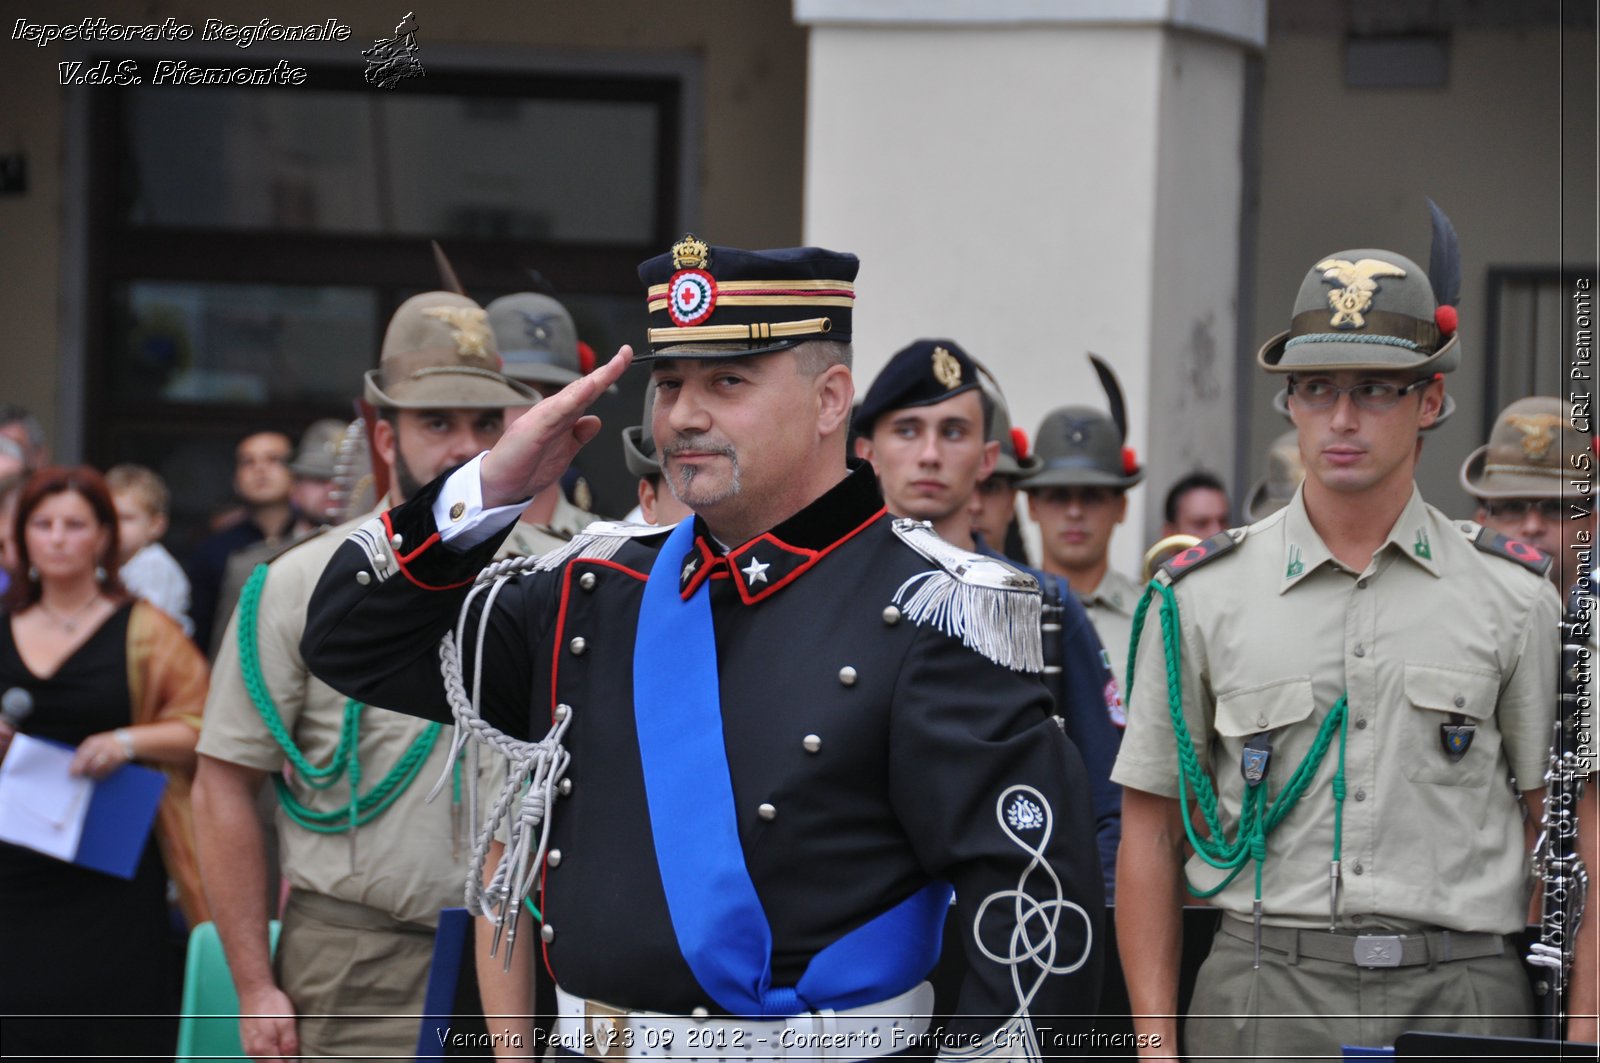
[[439, 353], [1365, 309], [722, 302], [638, 443], [925, 373], [537, 339], [1527, 454]]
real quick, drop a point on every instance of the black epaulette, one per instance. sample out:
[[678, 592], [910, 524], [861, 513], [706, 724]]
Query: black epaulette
[[1529, 557], [1186, 561]]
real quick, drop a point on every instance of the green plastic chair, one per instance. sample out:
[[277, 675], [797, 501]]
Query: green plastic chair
[[208, 1030]]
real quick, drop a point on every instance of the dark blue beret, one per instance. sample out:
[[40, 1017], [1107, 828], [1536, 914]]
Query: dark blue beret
[[922, 374]]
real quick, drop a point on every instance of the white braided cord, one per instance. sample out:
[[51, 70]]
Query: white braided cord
[[541, 765]]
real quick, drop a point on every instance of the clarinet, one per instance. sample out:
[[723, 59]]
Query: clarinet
[[1556, 863]]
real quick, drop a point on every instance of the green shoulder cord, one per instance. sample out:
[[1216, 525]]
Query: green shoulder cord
[[1258, 818], [346, 760]]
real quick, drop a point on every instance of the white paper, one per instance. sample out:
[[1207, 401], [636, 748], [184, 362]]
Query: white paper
[[41, 806]]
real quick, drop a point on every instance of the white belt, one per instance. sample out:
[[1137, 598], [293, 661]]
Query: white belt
[[589, 1028]]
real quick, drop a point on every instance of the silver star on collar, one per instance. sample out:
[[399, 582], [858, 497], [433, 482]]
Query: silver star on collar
[[688, 570], [755, 573]]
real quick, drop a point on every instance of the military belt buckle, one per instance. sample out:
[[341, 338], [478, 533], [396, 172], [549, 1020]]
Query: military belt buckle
[[604, 1029], [1379, 950]]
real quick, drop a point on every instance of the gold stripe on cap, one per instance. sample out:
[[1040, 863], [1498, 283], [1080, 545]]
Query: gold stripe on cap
[[761, 331], [660, 290]]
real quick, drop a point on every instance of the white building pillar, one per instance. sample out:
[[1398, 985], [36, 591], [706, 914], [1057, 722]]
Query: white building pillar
[[1037, 179]]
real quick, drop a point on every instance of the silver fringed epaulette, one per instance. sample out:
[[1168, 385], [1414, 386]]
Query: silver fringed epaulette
[[600, 541], [990, 606]]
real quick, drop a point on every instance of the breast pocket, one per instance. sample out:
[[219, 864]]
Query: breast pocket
[[1275, 707], [1446, 696]]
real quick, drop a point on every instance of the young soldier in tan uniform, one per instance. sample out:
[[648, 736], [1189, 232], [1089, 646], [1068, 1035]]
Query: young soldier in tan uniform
[[359, 922], [1400, 663], [1078, 497]]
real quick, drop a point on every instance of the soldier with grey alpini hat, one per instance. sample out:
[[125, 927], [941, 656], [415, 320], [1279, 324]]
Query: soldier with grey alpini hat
[[1340, 695], [1077, 494]]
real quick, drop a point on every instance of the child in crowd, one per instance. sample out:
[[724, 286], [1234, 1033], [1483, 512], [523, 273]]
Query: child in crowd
[[147, 569]]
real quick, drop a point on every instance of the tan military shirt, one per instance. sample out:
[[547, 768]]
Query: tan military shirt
[[531, 540], [1274, 631], [405, 863], [1110, 607]]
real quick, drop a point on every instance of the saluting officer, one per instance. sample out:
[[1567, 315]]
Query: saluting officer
[[794, 722], [1359, 678]]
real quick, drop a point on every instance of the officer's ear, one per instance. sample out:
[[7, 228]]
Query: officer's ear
[[835, 391], [384, 443], [991, 458], [1432, 401], [864, 448]]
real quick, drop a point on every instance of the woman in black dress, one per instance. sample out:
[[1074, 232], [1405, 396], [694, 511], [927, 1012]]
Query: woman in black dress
[[91, 960]]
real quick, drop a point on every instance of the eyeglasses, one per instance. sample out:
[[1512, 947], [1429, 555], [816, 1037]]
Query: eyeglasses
[[1551, 509], [1319, 393]]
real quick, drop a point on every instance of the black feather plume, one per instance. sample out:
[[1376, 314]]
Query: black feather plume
[[1119, 407], [1444, 260]]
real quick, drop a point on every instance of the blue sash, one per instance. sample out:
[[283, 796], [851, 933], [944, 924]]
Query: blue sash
[[717, 917]]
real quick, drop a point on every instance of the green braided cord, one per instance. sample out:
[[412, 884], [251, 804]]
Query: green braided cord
[[1255, 823], [346, 760], [1338, 777], [1350, 337]]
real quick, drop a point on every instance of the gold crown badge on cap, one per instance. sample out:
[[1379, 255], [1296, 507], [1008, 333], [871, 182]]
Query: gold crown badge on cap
[[690, 253], [470, 327]]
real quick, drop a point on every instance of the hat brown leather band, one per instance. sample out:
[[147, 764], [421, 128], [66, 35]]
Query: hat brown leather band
[[734, 333], [1425, 334]]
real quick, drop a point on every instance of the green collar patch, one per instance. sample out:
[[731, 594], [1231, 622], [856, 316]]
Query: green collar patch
[[1421, 547], [1296, 566]]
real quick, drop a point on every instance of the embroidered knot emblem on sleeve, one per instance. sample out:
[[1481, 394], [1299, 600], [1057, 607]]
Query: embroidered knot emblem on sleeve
[[1023, 814]]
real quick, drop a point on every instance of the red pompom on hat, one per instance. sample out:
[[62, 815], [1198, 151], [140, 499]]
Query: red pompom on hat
[[1130, 462], [1019, 443], [585, 358], [1445, 317]]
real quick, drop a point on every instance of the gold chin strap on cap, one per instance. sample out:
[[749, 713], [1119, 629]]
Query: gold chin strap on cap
[[725, 333]]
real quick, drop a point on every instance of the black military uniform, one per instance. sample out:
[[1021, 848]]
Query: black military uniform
[[872, 748]]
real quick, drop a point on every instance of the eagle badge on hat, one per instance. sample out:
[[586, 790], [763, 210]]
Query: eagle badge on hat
[[470, 326], [1538, 432], [1356, 279], [946, 370], [692, 292]]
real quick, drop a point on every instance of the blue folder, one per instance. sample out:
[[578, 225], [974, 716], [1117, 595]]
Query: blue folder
[[122, 808], [116, 825]]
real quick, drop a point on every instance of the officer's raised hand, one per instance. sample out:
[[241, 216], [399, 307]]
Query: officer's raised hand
[[538, 446]]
